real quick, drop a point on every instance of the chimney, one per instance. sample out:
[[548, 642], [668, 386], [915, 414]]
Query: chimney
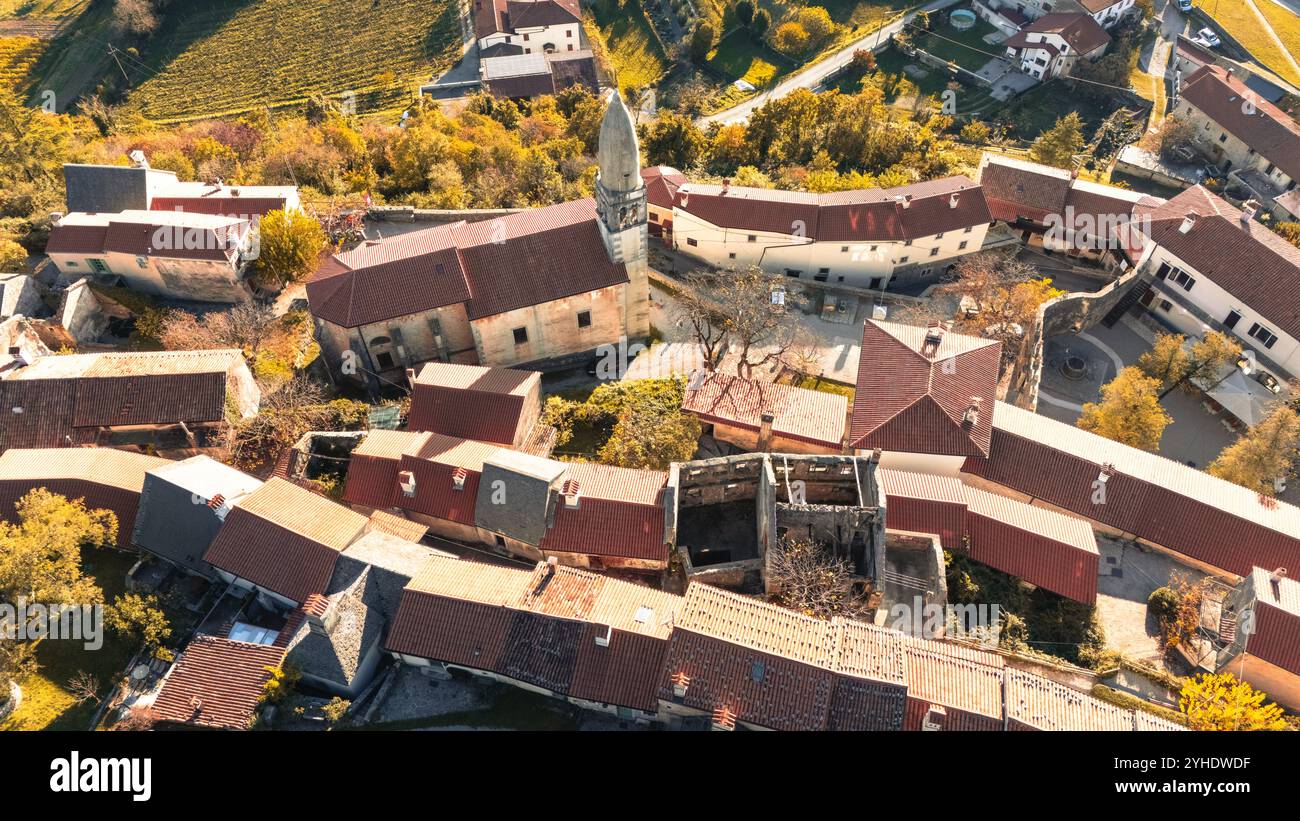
[[726, 185], [681, 682], [602, 640], [905, 200], [935, 718], [723, 719], [234, 192], [138, 159], [952, 201], [1277, 575], [56, 217], [972, 415], [551, 564], [1248, 209], [1188, 222], [410, 376], [764, 443], [407, 481], [934, 331], [572, 492], [458, 477]]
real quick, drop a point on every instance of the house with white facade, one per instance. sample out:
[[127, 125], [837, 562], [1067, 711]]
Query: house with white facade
[[1049, 46], [178, 254], [527, 26], [871, 238], [1107, 13], [1216, 268]]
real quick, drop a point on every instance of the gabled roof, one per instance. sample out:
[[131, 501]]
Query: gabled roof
[[470, 401], [1246, 259], [1201, 516], [955, 677], [915, 398], [539, 13], [491, 267], [284, 538], [540, 626], [1246, 115], [1083, 33], [816, 417], [216, 683], [866, 215], [106, 466], [661, 184], [1037, 703], [187, 235], [620, 513]]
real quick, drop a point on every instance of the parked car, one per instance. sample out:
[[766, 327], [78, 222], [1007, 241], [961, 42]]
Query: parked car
[[1184, 5], [1207, 37]]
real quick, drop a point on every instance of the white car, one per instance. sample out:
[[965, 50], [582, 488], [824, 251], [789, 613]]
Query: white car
[[1207, 37]]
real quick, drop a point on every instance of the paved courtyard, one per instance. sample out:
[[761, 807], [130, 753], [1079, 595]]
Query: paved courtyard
[[1194, 437]]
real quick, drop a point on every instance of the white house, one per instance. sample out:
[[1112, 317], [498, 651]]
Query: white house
[[1217, 269], [870, 238], [527, 26], [1049, 46], [175, 254]]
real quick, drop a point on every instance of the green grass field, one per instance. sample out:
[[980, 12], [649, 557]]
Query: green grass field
[[965, 48], [1236, 17], [629, 43], [47, 704], [237, 55]]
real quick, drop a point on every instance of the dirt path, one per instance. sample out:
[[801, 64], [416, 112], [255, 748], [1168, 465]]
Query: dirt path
[[26, 27]]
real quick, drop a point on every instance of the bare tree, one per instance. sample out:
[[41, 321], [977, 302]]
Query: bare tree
[[1000, 296], [245, 326], [83, 687], [747, 312], [814, 581]]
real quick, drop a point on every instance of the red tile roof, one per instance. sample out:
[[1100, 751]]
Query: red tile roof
[[1049, 549], [216, 683], [661, 184], [1207, 519], [471, 402], [1018, 189], [285, 539], [539, 13], [195, 236], [865, 215], [620, 514], [915, 401], [924, 503], [540, 627], [966, 682], [1037, 703], [1261, 125], [1249, 261], [498, 265], [1083, 33], [809, 416]]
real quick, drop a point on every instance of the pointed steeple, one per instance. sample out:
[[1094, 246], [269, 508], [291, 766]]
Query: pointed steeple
[[618, 154], [620, 192]]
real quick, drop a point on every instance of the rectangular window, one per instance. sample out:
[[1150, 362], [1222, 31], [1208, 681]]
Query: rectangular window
[[875, 282], [521, 336], [654, 217], [790, 272], [962, 246], [584, 319], [385, 361], [1166, 305], [753, 238], [909, 242], [732, 255], [844, 249], [934, 252], [1264, 335], [692, 242], [1223, 138], [98, 266], [822, 276], [968, 229], [1233, 318], [939, 235], [902, 260], [1181, 278]]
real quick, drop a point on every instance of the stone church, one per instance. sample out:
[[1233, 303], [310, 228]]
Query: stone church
[[542, 288]]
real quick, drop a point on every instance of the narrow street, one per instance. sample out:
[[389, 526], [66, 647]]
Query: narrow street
[[813, 75]]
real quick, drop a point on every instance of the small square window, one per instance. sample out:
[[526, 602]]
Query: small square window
[[732, 255], [584, 319], [692, 242], [753, 238], [521, 336], [962, 245], [939, 235], [934, 252], [844, 249], [902, 260], [968, 229]]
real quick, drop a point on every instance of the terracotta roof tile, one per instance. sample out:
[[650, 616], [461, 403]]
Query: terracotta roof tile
[[216, 683], [816, 417], [913, 401], [1037, 703], [470, 401]]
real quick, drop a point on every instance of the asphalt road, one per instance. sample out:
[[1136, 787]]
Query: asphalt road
[[812, 76]]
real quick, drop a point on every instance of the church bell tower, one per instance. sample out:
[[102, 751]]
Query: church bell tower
[[622, 213]]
